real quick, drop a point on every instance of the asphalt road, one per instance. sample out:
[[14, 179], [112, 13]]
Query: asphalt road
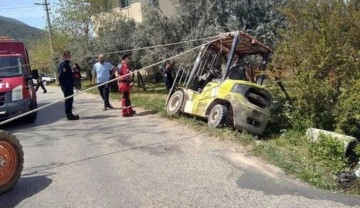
[[104, 160]]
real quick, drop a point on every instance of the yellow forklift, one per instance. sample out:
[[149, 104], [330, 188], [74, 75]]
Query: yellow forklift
[[222, 86]]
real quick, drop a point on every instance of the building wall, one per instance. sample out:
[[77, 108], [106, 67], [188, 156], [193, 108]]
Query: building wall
[[133, 10], [167, 7]]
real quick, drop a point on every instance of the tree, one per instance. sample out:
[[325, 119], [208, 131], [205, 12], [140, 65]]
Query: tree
[[76, 22], [322, 52], [40, 54]]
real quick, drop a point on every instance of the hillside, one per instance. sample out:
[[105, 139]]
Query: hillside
[[18, 30]]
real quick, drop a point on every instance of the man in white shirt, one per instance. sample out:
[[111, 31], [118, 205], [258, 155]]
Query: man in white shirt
[[102, 71]]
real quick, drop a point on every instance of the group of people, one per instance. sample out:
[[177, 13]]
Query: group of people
[[102, 73]]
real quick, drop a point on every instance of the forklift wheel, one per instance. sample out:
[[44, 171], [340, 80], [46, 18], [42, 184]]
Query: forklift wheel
[[11, 161], [218, 116], [175, 103]]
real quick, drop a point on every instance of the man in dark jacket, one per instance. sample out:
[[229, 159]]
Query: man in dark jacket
[[66, 80], [167, 75]]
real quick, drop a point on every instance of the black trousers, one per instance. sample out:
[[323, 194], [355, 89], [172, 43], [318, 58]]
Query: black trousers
[[68, 91], [126, 98], [78, 84], [40, 84], [104, 93]]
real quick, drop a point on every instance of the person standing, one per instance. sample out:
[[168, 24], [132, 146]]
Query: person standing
[[167, 75], [66, 80], [125, 85], [102, 71], [39, 83], [77, 76]]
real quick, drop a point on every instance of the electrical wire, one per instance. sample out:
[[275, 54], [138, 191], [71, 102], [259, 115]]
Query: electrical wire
[[136, 71], [126, 51], [27, 7]]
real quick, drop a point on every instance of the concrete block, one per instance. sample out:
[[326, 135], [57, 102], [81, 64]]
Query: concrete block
[[349, 142]]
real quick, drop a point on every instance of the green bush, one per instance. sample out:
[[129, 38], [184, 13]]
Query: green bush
[[281, 116], [329, 152], [348, 110], [321, 54]]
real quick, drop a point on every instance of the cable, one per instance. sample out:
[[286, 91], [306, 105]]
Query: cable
[[138, 70], [18, 7], [124, 51], [164, 45]]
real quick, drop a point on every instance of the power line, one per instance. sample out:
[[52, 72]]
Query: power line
[[18, 7], [136, 71], [129, 50], [47, 9]]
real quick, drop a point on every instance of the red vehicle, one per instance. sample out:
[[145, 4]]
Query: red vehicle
[[17, 94]]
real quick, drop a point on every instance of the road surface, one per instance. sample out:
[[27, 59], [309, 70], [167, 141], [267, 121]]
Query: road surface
[[104, 160]]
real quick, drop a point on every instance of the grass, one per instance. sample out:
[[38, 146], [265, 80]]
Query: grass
[[291, 151]]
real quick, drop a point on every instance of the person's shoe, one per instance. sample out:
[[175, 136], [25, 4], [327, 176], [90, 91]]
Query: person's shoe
[[131, 111], [44, 92], [72, 117], [110, 106], [105, 109], [127, 115]]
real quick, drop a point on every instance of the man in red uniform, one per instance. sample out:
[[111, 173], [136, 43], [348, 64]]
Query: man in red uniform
[[125, 84]]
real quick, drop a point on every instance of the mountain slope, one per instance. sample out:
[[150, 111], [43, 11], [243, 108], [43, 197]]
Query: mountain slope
[[19, 30], [7, 19]]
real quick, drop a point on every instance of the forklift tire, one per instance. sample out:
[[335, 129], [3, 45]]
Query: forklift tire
[[11, 161], [218, 116], [175, 102]]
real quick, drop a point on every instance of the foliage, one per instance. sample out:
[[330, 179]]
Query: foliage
[[317, 163], [76, 23], [281, 110], [259, 18], [330, 151], [320, 52], [348, 110], [40, 54], [114, 34], [357, 150]]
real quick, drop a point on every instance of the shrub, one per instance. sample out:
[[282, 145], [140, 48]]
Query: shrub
[[348, 110], [329, 152]]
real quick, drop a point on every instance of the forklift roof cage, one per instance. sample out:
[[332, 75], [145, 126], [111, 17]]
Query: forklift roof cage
[[239, 43]]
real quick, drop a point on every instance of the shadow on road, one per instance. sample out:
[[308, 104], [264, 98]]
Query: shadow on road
[[45, 116], [96, 117], [25, 188], [146, 113], [254, 180]]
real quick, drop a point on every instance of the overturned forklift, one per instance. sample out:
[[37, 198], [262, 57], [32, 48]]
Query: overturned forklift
[[223, 87]]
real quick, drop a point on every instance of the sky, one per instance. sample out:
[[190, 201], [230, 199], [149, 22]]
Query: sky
[[26, 11]]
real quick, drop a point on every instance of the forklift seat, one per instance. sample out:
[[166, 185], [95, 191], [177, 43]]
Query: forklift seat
[[237, 73]]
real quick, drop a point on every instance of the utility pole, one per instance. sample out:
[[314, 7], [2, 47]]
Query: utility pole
[[47, 9]]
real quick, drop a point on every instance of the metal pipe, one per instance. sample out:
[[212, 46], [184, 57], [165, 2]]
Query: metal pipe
[[236, 41]]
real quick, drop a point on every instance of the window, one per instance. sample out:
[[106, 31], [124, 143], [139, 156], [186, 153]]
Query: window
[[124, 3], [10, 66]]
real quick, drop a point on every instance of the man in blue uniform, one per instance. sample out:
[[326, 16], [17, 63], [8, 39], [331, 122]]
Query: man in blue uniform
[[66, 80]]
